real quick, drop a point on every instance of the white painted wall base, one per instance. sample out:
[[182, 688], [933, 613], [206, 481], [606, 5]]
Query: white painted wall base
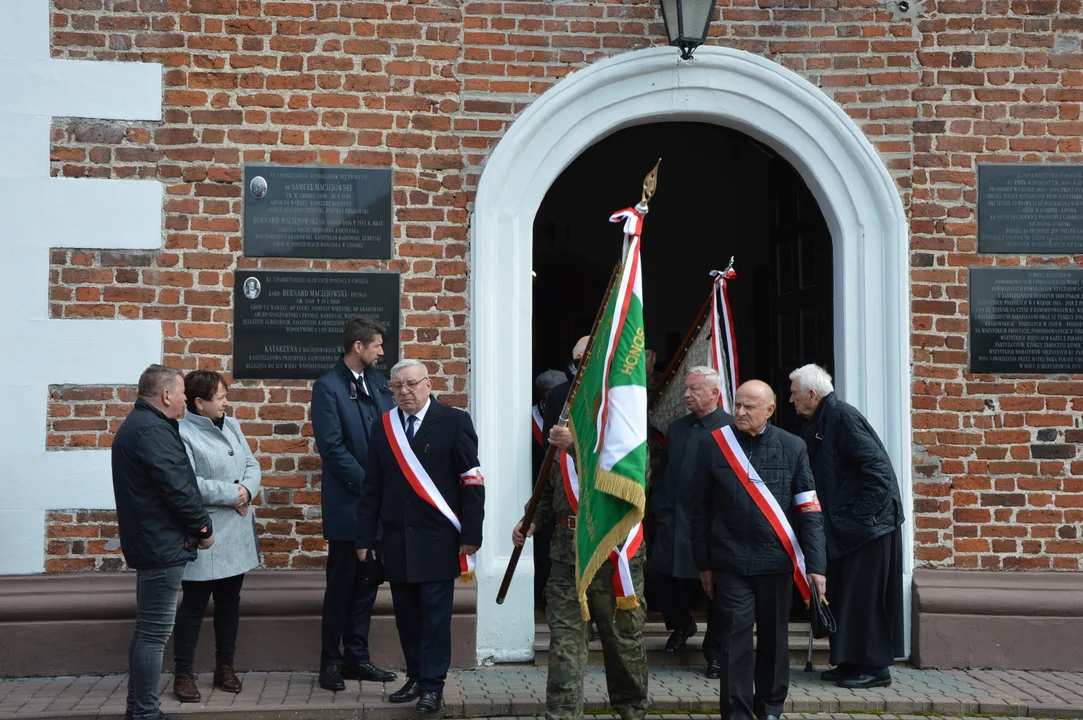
[[40, 213], [728, 87]]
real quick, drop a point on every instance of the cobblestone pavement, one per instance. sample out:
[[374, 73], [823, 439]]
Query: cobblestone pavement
[[519, 691]]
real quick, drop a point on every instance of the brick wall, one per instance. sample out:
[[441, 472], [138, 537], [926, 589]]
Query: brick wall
[[998, 479], [429, 87]]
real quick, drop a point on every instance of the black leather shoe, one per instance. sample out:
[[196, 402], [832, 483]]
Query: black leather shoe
[[410, 691], [331, 678], [714, 670], [864, 680], [839, 671], [430, 702], [680, 637], [368, 671]]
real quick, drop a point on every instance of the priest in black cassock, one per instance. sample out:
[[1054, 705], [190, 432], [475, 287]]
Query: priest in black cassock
[[671, 570], [862, 511]]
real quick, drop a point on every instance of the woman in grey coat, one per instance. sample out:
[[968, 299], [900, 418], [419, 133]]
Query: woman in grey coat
[[228, 477]]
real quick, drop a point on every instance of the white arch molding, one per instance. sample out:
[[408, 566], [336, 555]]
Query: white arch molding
[[727, 87]]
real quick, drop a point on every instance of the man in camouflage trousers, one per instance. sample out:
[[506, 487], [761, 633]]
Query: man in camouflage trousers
[[621, 631]]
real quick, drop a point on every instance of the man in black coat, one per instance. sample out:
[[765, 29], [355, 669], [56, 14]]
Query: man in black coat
[[424, 487], [862, 511], [751, 478], [161, 521], [346, 403], [671, 568]]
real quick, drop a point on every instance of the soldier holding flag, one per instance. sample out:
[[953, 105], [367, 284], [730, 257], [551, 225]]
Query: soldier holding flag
[[597, 549], [621, 631]]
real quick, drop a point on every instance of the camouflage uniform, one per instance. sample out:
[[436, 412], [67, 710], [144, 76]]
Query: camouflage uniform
[[621, 631]]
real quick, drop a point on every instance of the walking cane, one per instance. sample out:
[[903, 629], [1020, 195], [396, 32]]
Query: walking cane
[[808, 661]]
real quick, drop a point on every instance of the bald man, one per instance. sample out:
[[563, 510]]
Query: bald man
[[554, 403], [755, 521]]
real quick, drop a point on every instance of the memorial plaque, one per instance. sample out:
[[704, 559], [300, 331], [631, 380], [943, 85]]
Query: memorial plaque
[[288, 325], [1026, 321], [1030, 209], [317, 212]]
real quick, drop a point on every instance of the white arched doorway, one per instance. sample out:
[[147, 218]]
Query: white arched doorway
[[728, 87]]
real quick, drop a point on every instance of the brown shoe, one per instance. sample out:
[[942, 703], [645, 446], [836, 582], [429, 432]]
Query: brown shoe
[[184, 688], [226, 678]]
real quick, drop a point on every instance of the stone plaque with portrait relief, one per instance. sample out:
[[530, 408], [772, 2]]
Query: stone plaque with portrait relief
[[288, 325], [331, 212]]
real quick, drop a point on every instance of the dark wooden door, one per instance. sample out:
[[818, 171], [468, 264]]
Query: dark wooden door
[[802, 319]]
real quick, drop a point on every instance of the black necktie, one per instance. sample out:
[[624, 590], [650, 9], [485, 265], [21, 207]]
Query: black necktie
[[410, 427], [361, 388]]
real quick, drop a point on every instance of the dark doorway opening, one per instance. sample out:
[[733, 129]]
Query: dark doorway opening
[[720, 194]]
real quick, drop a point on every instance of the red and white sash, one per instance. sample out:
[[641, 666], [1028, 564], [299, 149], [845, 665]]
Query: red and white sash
[[619, 556], [536, 424], [426, 489], [768, 505]]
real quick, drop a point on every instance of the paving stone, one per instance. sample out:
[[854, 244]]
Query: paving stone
[[677, 693]]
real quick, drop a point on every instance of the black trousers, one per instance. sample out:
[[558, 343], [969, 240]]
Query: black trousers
[[227, 618], [749, 691], [676, 598], [865, 589], [347, 604], [423, 617]]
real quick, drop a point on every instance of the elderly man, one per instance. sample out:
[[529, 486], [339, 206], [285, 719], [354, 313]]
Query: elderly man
[[424, 489], [671, 569], [753, 486], [863, 511]]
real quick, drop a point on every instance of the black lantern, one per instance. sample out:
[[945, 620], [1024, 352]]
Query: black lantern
[[686, 23]]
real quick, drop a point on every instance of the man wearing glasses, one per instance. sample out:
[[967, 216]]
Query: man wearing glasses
[[346, 403], [424, 489]]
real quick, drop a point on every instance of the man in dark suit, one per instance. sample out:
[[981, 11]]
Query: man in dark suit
[[425, 489], [671, 568], [346, 403]]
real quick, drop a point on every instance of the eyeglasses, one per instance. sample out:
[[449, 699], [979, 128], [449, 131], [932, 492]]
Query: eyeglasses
[[410, 384]]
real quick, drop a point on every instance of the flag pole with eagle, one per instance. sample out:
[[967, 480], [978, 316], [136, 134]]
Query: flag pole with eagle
[[608, 421]]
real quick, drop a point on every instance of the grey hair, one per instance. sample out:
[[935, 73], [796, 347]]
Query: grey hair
[[409, 362], [814, 378], [709, 374], [155, 379]]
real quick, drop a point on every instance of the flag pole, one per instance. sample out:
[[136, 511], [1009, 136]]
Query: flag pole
[[650, 184], [669, 374]]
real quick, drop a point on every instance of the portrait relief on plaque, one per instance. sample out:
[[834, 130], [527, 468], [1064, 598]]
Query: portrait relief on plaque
[[251, 288], [258, 187]]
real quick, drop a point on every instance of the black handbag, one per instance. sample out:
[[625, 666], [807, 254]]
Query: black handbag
[[372, 571], [823, 622]]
